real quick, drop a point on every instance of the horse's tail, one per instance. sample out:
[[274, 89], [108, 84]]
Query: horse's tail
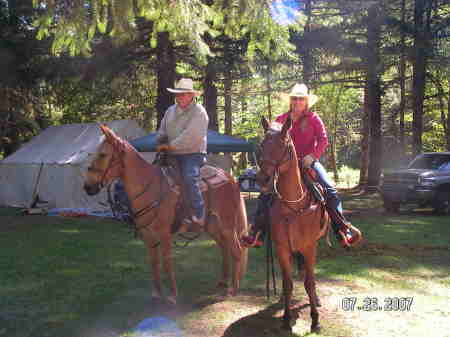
[[241, 228]]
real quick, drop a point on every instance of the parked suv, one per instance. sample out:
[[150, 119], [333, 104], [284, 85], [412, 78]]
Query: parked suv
[[425, 181]]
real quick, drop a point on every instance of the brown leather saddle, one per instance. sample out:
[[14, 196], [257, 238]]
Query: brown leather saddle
[[211, 178]]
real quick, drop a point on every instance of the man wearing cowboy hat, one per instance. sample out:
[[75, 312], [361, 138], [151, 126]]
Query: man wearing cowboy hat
[[310, 140], [183, 132]]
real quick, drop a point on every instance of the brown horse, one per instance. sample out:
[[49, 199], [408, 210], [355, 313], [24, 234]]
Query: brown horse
[[153, 204], [297, 220]]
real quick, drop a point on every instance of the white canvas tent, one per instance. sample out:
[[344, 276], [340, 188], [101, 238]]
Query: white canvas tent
[[63, 152]]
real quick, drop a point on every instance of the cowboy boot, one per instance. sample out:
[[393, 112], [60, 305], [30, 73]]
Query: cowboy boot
[[346, 234], [258, 229]]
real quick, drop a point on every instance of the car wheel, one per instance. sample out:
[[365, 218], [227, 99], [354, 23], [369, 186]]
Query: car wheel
[[441, 204]]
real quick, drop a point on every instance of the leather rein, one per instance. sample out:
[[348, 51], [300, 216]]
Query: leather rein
[[117, 159], [286, 158]]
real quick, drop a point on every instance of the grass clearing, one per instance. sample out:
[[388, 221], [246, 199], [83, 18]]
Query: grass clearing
[[89, 277]]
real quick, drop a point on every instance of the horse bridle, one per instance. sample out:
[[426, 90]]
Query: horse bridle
[[119, 161], [112, 163], [287, 157]]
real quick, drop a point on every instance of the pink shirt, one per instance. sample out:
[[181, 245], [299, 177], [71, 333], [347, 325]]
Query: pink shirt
[[308, 134]]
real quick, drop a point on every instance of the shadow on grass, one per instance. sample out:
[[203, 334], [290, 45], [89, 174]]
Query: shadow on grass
[[264, 322]]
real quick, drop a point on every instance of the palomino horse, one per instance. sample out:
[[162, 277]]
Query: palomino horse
[[297, 220], [153, 203]]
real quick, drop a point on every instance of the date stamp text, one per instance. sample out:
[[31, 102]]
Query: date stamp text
[[377, 304]]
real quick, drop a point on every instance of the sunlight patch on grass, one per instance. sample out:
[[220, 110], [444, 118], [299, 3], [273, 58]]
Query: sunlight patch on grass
[[138, 243], [70, 231], [71, 272]]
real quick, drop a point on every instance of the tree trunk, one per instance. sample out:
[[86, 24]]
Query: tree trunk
[[166, 74], [365, 130], [419, 69], [335, 135], [210, 95], [447, 136], [374, 97], [269, 89], [332, 159], [402, 75], [307, 56], [441, 95], [243, 100], [228, 113]]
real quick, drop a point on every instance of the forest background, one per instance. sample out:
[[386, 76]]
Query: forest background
[[380, 68]]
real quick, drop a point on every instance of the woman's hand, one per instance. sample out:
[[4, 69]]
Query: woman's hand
[[308, 160]]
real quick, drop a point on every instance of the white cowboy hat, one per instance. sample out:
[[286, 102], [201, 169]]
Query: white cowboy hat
[[184, 85], [301, 90]]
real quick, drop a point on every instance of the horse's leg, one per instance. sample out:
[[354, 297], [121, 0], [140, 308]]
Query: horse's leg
[[310, 286], [213, 230], [236, 253], [223, 282], [153, 252], [284, 259], [166, 250]]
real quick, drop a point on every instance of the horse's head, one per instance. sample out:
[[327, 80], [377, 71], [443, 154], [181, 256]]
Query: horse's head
[[276, 151], [107, 163]]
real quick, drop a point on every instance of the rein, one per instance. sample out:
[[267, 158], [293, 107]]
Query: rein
[[118, 159], [113, 162], [278, 164]]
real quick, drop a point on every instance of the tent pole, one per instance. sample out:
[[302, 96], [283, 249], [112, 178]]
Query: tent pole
[[33, 199]]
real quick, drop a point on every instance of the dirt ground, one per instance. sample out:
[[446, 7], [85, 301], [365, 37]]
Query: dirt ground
[[250, 314], [242, 316]]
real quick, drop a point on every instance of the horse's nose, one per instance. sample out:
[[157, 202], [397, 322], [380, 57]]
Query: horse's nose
[[91, 189]]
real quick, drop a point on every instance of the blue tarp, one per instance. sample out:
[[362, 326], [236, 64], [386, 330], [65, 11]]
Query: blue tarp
[[216, 143]]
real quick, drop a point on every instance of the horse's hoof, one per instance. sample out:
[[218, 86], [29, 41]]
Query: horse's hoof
[[315, 328], [172, 300], [222, 284]]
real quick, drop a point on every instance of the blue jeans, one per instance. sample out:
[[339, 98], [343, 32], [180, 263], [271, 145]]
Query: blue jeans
[[322, 177], [190, 165]]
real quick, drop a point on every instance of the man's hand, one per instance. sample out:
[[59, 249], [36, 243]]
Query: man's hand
[[308, 160], [163, 148]]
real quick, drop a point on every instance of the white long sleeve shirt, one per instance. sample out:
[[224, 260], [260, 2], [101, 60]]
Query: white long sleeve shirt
[[185, 129]]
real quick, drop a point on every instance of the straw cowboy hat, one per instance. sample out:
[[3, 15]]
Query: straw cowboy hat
[[184, 85], [301, 90]]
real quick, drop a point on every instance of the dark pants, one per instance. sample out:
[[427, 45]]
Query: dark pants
[[190, 165]]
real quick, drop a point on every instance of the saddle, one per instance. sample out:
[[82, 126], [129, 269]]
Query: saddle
[[211, 178], [310, 179]]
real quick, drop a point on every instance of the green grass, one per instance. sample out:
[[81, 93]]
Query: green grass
[[59, 270], [61, 276]]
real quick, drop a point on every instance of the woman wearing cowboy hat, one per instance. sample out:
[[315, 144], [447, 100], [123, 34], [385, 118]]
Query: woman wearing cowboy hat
[[183, 132], [310, 140]]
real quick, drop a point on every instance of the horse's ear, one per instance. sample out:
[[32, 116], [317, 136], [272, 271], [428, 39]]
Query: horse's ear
[[264, 123], [286, 126]]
